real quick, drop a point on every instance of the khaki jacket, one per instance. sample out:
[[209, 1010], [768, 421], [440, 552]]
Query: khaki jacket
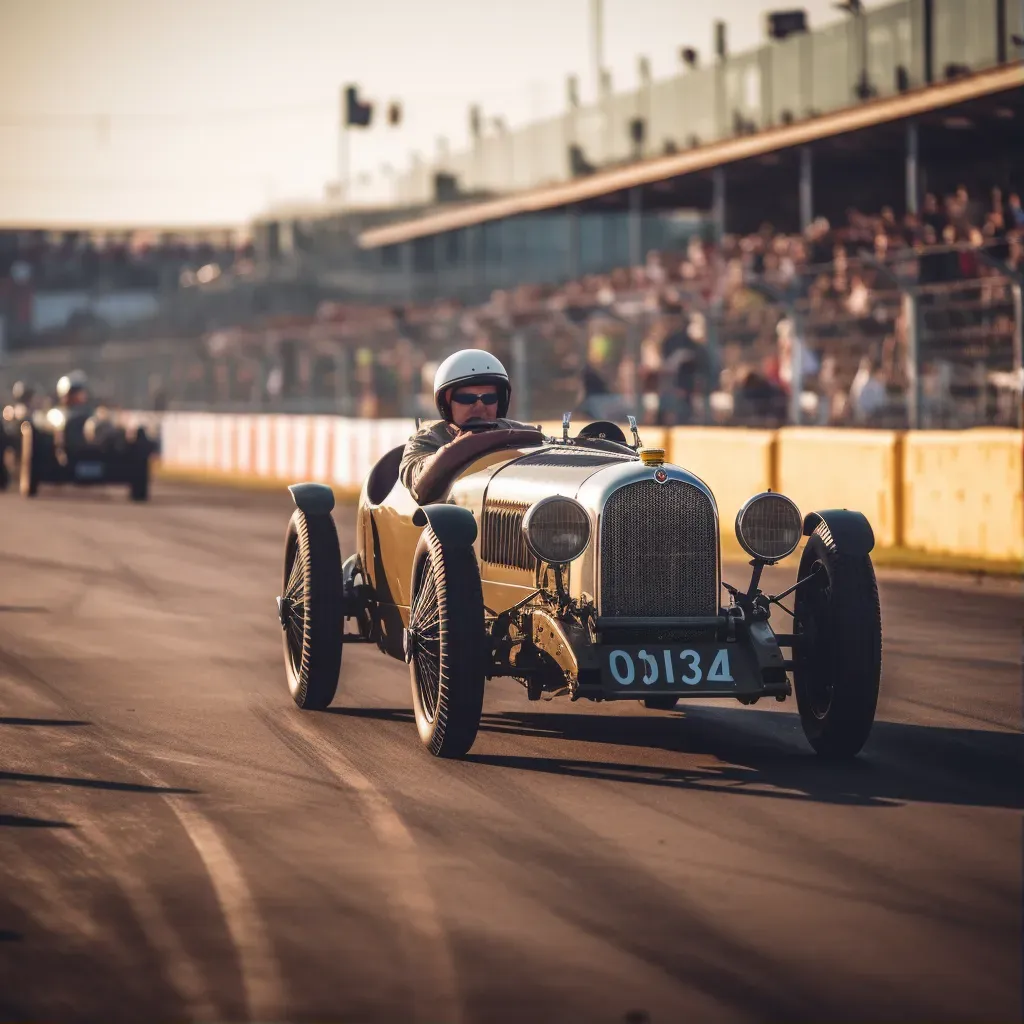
[[427, 441]]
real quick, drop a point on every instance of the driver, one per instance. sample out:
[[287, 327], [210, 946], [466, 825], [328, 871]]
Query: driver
[[73, 390], [471, 389]]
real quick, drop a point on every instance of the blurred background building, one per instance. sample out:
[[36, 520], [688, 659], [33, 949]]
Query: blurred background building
[[826, 229]]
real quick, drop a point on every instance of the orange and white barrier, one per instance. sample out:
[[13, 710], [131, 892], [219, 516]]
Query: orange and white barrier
[[329, 449]]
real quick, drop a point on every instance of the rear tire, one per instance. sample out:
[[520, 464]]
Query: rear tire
[[313, 610], [448, 644], [838, 658], [138, 489]]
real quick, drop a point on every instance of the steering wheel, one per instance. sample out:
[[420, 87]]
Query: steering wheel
[[604, 430], [476, 425], [453, 457]]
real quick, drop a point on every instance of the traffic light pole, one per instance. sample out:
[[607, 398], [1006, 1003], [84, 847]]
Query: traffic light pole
[[344, 162]]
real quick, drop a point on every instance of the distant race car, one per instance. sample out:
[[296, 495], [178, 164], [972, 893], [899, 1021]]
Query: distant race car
[[83, 446], [585, 567]]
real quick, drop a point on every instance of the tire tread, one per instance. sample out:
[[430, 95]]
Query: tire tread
[[316, 682]]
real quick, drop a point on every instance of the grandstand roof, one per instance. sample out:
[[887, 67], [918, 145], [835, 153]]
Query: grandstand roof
[[865, 115], [13, 225]]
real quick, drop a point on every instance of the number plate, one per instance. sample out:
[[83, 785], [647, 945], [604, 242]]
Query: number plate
[[88, 470], [674, 667]]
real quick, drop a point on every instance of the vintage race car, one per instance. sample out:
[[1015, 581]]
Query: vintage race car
[[84, 447], [583, 567]]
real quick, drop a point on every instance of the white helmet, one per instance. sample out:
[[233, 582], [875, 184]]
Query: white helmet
[[471, 365], [74, 381]]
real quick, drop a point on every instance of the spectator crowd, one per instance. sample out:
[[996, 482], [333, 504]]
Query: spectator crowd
[[742, 331]]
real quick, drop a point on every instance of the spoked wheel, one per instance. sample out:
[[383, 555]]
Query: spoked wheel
[[446, 646], [838, 657], [311, 610]]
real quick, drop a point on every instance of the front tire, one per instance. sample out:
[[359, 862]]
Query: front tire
[[838, 657], [312, 610], [447, 646]]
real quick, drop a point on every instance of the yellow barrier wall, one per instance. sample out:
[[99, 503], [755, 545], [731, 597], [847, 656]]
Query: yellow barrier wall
[[937, 493], [963, 492], [854, 469], [735, 463]]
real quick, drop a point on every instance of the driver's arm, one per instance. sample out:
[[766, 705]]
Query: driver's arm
[[418, 450]]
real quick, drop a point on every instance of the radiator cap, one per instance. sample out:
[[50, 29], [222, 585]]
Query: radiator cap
[[652, 456]]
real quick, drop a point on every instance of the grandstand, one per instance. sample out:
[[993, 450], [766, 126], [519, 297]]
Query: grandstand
[[824, 230]]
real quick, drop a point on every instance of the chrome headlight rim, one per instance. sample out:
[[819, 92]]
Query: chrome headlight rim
[[745, 508], [530, 516]]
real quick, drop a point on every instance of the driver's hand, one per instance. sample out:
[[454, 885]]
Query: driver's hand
[[476, 425]]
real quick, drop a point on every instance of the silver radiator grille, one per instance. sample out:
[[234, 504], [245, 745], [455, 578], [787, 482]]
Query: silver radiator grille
[[659, 551], [501, 536]]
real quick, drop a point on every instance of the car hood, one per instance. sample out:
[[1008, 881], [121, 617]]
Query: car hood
[[551, 470]]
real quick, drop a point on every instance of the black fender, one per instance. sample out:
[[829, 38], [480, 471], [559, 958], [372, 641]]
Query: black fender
[[313, 499], [844, 532], [454, 527], [452, 524]]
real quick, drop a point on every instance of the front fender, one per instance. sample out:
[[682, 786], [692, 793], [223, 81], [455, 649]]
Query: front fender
[[312, 499], [452, 524], [843, 531]]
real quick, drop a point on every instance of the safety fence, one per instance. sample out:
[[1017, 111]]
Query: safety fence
[[949, 493]]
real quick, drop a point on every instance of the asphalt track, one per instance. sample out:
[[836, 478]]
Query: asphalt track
[[179, 842]]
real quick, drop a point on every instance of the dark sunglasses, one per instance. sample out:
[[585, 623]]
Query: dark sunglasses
[[488, 398]]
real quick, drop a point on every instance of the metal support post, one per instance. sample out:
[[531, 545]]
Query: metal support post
[[912, 173], [573, 231], [1018, 350], [911, 313], [806, 188], [521, 375], [718, 203], [344, 162], [475, 259], [796, 383], [439, 263], [636, 227], [408, 270]]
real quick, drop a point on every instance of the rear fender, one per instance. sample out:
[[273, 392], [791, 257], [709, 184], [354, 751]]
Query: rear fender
[[844, 532]]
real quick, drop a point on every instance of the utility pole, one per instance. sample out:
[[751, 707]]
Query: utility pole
[[597, 37]]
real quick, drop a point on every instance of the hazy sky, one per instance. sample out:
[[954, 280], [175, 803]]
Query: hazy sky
[[206, 111]]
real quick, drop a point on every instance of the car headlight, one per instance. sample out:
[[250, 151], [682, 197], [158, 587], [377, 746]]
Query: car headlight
[[557, 529], [769, 526]]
